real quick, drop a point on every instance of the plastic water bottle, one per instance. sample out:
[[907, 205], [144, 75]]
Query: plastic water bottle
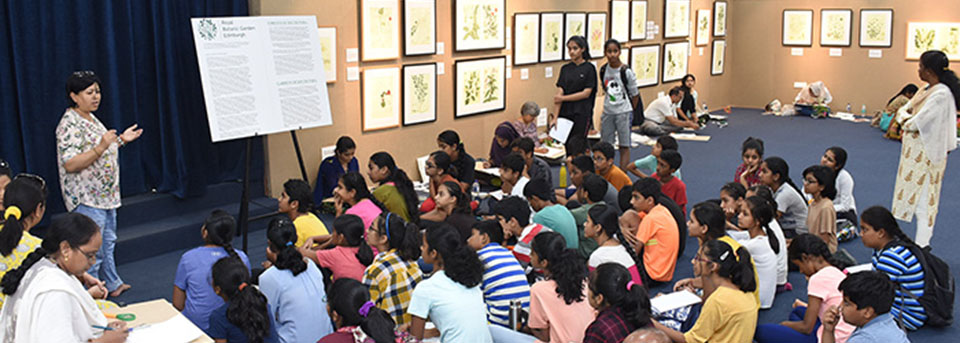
[[863, 110], [563, 175], [475, 189], [705, 108], [848, 108]]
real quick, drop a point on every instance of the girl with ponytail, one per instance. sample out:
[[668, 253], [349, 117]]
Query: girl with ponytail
[[395, 190], [603, 226], [574, 98], [461, 162], [815, 261], [293, 287], [623, 305], [892, 256], [244, 317], [25, 206], [791, 208], [394, 272], [559, 311], [729, 312], [928, 135], [755, 216], [783, 265], [45, 289], [350, 255], [357, 319], [192, 294], [451, 297]]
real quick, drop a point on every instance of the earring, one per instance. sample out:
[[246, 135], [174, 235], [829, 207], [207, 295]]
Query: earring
[[65, 258]]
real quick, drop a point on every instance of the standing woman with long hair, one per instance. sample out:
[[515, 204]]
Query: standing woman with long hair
[[88, 160], [576, 89], [395, 190], [928, 135]]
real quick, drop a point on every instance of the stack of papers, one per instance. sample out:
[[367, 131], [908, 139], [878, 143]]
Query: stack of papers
[[489, 171], [690, 137], [551, 154], [175, 330], [672, 301]]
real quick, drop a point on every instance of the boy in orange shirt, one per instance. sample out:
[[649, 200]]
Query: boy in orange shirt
[[658, 233], [603, 154]]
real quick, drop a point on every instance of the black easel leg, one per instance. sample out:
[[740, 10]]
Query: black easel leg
[[245, 197], [296, 147]]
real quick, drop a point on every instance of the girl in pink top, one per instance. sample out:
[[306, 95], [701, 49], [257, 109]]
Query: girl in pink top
[[351, 255], [559, 310], [352, 192], [812, 256], [603, 226]]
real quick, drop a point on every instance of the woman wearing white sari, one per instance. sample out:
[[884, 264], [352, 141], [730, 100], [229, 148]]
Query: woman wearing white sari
[[928, 135], [45, 300]]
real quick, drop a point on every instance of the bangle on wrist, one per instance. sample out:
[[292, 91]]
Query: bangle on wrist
[[120, 141]]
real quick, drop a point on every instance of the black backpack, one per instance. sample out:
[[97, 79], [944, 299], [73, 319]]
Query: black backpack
[[938, 289], [637, 111]]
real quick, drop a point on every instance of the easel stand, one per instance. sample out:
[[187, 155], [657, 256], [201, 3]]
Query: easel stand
[[244, 217]]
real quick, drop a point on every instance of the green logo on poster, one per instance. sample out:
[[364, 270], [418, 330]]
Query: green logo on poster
[[207, 29]]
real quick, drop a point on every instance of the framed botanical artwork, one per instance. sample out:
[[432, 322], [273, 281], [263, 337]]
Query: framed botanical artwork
[[836, 27], [419, 27], [381, 98], [575, 24], [479, 24], [922, 37], [719, 18], [526, 38], [328, 51], [797, 28], [717, 57], [638, 20], [596, 33], [876, 27], [479, 86], [703, 27], [645, 62], [676, 18], [675, 57], [419, 93], [379, 30], [620, 20], [551, 35]]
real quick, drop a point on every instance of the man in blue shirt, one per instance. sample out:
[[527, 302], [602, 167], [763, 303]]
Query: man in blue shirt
[[867, 299]]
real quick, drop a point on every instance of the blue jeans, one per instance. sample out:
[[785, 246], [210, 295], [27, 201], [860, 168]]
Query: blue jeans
[[105, 268], [780, 333]]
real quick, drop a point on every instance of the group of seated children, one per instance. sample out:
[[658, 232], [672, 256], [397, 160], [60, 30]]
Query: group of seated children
[[557, 265]]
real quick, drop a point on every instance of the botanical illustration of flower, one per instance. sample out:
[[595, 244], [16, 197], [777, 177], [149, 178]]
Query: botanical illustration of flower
[[575, 29], [384, 98], [951, 41], [421, 96], [490, 23], [646, 65], [491, 85], [551, 36], [596, 35], [471, 23], [836, 25], [327, 53], [876, 28], [923, 40], [721, 18], [718, 56], [673, 62], [471, 89], [419, 26], [797, 28], [678, 17], [382, 16]]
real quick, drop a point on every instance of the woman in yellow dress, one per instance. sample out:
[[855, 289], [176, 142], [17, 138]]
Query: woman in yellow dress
[[928, 135]]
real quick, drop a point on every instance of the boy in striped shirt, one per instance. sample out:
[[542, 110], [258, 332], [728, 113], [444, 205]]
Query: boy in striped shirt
[[503, 277]]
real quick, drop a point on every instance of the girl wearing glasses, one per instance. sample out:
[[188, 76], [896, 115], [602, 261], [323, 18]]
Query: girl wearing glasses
[[88, 163]]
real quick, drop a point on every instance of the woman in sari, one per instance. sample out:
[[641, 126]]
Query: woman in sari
[[928, 135]]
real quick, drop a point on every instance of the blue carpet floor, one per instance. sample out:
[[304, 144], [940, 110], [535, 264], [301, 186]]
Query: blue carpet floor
[[707, 166]]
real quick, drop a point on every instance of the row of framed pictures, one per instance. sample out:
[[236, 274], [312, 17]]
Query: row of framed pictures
[[628, 19], [644, 60], [408, 95], [836, 27], [478, 25], [540, 37]]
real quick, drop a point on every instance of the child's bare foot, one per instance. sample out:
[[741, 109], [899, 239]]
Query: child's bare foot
[[120, 290]]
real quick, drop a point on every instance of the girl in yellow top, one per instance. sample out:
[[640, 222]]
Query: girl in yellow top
[[729, 313], [25, 200]]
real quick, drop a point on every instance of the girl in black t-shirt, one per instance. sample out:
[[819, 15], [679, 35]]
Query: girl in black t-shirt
[[576, 89]]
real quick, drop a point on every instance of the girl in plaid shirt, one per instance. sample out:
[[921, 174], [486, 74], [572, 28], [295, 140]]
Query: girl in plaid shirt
[[623, 305], [394, 271]]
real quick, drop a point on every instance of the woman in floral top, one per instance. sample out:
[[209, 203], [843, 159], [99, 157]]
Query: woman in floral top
[[87, 159]]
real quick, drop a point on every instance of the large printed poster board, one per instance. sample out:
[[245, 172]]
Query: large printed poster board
[[261, 75]]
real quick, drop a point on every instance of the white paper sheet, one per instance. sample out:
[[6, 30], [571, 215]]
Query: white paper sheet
[[673, 301], [562, 131], [859, 268], [175, 330]]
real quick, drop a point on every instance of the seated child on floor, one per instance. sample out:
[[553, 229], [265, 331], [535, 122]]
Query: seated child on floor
[[867, 298], [647, 166], [667, 164], [748, 172], [503, 277], [818, 181]]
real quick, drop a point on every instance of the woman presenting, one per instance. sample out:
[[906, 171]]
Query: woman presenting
[[87, 159], [928, 135], [575, 89]]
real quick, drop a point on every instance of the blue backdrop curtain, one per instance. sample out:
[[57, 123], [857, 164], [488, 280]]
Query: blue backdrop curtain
[[143, 52]]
